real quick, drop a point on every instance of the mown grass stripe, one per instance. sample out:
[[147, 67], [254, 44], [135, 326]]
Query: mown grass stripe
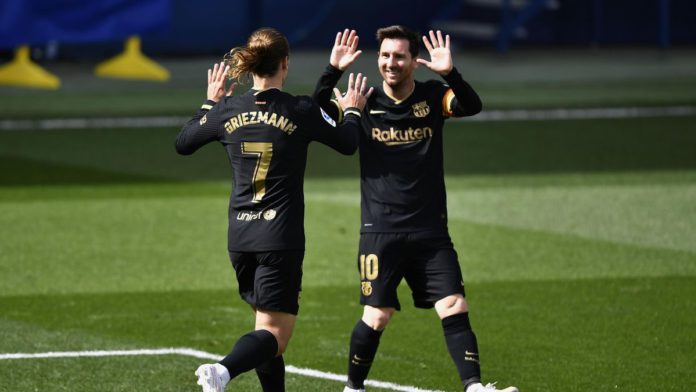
[[486, 115], [92, 123], [582, 113]]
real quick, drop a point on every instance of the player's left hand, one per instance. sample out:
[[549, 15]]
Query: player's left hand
[[216, 82], [440, 55], [357, 93]]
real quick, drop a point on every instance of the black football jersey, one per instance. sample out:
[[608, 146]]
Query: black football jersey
[[401, 164], [266, 135], [401, 152]]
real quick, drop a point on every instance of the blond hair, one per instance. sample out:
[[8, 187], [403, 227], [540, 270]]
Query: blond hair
[[263, 52]]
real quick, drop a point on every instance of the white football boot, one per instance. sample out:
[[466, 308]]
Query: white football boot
[[346, 389], [478, 387], [209, 378]]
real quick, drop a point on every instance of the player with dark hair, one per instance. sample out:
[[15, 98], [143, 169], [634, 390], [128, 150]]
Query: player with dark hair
[[404, 232], [265, 133]]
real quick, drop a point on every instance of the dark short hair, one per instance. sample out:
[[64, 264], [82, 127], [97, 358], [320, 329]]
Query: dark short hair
[[398, 31]]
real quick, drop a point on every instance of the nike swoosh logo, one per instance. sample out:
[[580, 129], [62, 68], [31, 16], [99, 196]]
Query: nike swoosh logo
[[360, 361]]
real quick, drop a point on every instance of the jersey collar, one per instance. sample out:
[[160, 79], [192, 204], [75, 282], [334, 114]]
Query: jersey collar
[[399, 101], [257, 92]]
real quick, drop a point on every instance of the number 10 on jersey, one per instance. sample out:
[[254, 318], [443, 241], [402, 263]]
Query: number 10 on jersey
[[369, 267]]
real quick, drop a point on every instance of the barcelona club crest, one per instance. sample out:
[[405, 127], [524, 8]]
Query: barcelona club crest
[[421, 109]]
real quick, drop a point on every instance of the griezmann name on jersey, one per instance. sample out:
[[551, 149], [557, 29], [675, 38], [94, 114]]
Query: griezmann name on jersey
[[266, 135]]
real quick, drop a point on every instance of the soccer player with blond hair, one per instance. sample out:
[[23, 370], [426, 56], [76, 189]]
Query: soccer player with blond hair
[[265, 133]]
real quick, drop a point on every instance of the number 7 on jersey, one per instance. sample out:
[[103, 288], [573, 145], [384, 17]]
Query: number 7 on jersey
[[263, 152]]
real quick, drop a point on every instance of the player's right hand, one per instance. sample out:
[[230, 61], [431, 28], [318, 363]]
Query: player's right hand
[[216, 82], [345, 50]]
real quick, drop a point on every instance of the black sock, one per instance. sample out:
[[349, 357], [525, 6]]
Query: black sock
[[363, 347], [462, 346], [250, 351], [272, 375]]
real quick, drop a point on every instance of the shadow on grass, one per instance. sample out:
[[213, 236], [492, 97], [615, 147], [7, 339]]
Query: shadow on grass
[[470, 148], [23, 171]]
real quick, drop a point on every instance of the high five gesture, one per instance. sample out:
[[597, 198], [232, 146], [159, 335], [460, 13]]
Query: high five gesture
[[356, 95], [440, 55], [345, 50], [216, 82]]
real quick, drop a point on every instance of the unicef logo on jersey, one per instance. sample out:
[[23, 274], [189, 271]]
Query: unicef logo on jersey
[[247, 216], [269, 214], [420, 109]]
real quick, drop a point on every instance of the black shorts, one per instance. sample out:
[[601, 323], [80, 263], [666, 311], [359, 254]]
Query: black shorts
[[429, 265], [270, 280]]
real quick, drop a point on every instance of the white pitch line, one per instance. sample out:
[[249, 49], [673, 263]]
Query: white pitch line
[[112, 353], [189, 352], [342, 378], [486, 115]]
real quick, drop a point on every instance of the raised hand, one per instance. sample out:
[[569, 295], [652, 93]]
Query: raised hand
[[357, 94], [440, 55], [216, 82], [345, 50]]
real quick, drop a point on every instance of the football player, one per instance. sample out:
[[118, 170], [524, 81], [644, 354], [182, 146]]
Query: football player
[[265, 133], [404, 232]]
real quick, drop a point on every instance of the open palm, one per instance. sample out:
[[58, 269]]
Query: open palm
[[345, 49], [216, 82], [440, 55]]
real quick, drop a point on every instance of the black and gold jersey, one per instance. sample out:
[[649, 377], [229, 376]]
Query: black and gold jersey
[[401, 152], [266, 136]]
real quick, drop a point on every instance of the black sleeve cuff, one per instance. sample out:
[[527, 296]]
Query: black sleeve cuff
[[352, 110], [453, 76], [331, 70], [208, 104]]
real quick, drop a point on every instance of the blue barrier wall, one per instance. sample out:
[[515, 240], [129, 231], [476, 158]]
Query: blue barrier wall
[[612, 22], [313, 24], [184, 27], [306, 23], [36, 22]]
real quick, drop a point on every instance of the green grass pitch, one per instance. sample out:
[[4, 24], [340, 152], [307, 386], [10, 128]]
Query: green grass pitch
[[577, 238], [579, 255]]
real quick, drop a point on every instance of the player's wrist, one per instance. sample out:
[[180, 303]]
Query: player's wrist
[[334, 69], [352, 110], [453, 73], [208, 104]]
